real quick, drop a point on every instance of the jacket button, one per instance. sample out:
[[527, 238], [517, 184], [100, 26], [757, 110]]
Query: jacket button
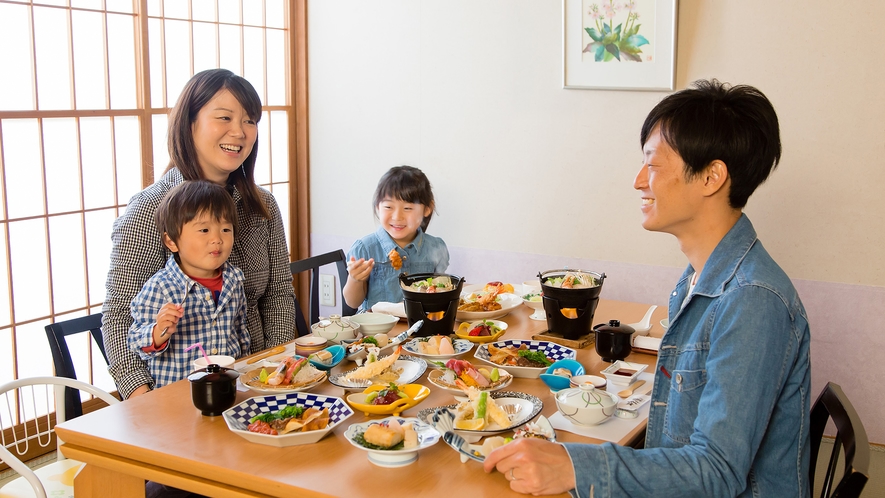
[[679, 378]]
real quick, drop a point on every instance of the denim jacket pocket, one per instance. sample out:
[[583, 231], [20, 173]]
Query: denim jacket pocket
[[686, 389]]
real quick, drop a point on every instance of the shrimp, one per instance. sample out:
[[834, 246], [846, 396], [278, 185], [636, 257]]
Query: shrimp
[[374, 369]]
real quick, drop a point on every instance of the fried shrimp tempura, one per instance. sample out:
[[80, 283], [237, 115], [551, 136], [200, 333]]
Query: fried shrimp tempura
[[396, 261]]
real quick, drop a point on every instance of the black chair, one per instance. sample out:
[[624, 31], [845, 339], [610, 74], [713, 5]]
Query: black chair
[[850, 437], [61, 355], [313, 264]]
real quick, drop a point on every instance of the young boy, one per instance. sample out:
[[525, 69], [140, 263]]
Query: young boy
[[198, 296], [729, 412]]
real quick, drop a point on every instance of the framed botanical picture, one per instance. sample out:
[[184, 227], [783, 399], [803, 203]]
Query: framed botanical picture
[[619, 44]]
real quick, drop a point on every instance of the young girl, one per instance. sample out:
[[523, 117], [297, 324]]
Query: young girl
[[404, 205]]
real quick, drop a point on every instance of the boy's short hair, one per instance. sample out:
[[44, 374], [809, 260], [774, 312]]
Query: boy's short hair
[[734, 124], [189, 199]]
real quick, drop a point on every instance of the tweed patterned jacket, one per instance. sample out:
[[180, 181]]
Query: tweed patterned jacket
[[259, 250]]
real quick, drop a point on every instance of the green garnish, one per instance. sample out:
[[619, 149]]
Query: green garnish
[[535, 356], [370, 340], [287, 412], [362, 442]]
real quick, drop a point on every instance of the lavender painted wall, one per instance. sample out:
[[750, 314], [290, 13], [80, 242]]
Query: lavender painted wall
[[847, 336]]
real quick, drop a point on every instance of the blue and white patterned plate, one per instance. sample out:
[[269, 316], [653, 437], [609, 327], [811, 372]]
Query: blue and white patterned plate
[[460, 346], [237, 418], [427, 437], [552, 350]]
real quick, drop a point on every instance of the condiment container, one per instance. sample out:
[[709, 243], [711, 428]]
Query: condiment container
[[213, 389]]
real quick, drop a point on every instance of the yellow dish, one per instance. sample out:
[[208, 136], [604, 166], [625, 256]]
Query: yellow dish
[[466, 327], [415, 394]]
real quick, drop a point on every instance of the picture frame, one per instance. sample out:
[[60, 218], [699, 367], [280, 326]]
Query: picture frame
[[619, 45]]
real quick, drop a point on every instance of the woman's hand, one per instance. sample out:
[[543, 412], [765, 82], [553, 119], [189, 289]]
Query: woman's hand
[[167, 321], [533, 466]]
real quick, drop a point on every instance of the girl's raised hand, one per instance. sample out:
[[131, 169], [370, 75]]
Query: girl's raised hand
[[361, 269]]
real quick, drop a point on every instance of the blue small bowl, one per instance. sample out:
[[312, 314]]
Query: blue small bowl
[[337, 351], [557, 382]]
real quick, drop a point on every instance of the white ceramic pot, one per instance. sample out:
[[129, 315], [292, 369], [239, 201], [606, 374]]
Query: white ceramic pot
[[336, 329], [586, 405]]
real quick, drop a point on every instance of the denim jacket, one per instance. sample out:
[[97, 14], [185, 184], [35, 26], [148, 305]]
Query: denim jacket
[[730, 408], [425, 254]]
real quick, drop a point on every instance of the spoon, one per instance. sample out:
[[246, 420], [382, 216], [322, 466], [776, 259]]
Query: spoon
[[627, 392], [643, 326]]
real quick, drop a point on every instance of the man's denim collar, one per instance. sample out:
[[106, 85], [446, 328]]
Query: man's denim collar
[[725, 259]]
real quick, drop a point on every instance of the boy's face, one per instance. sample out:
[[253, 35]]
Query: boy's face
[[203, 245], [670, 203]]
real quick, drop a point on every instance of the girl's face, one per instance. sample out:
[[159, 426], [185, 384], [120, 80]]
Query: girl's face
[[204, 244], [223, 135], [402, 219]]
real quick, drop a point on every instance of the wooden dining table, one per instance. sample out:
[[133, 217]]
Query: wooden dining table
[[161, 437]]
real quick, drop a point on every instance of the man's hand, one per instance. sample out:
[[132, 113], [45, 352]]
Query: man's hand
[[533, 466]]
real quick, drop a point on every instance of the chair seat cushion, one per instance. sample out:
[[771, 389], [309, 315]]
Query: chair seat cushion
[[57, 479]]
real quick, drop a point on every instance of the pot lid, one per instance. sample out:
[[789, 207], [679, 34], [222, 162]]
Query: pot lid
[[213, 373], [335, 323], [585, 396], [614, 326]]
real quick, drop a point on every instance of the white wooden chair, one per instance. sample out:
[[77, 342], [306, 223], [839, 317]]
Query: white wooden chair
[[23, 399]]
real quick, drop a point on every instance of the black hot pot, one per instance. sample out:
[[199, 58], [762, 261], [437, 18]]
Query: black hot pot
[[437, 309], [570, 310]]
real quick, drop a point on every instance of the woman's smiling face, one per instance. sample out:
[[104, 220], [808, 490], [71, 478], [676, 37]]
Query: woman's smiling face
[[223, 135]]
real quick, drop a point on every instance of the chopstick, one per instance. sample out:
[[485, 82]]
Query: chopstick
[[266, 354]]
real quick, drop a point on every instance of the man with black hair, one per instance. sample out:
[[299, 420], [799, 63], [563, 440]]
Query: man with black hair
[[730, 406]]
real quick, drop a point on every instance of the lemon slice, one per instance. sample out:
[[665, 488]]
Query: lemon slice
[[474, 424]]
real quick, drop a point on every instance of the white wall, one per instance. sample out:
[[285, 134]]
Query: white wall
[[530, 176]]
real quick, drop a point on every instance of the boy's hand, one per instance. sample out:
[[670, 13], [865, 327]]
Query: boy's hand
[[360, 270], [167, 319]]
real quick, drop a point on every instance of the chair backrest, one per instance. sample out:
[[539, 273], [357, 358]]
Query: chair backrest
[[61, 355], [24, 396], [850, 437], [313, 264]]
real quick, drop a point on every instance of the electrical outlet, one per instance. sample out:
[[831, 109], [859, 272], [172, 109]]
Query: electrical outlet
[[327, 290]]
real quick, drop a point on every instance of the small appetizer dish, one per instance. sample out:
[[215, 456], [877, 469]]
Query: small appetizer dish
[[393, 441], [328, 358], [437, 347], [481, 331], [358, 349], [307, 344], [523, 358], [401, 369], [623, 372], [534, 300], [485, 413], [456, 375], [286, 419], [292, 374], [559, 374], [389, 399]]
